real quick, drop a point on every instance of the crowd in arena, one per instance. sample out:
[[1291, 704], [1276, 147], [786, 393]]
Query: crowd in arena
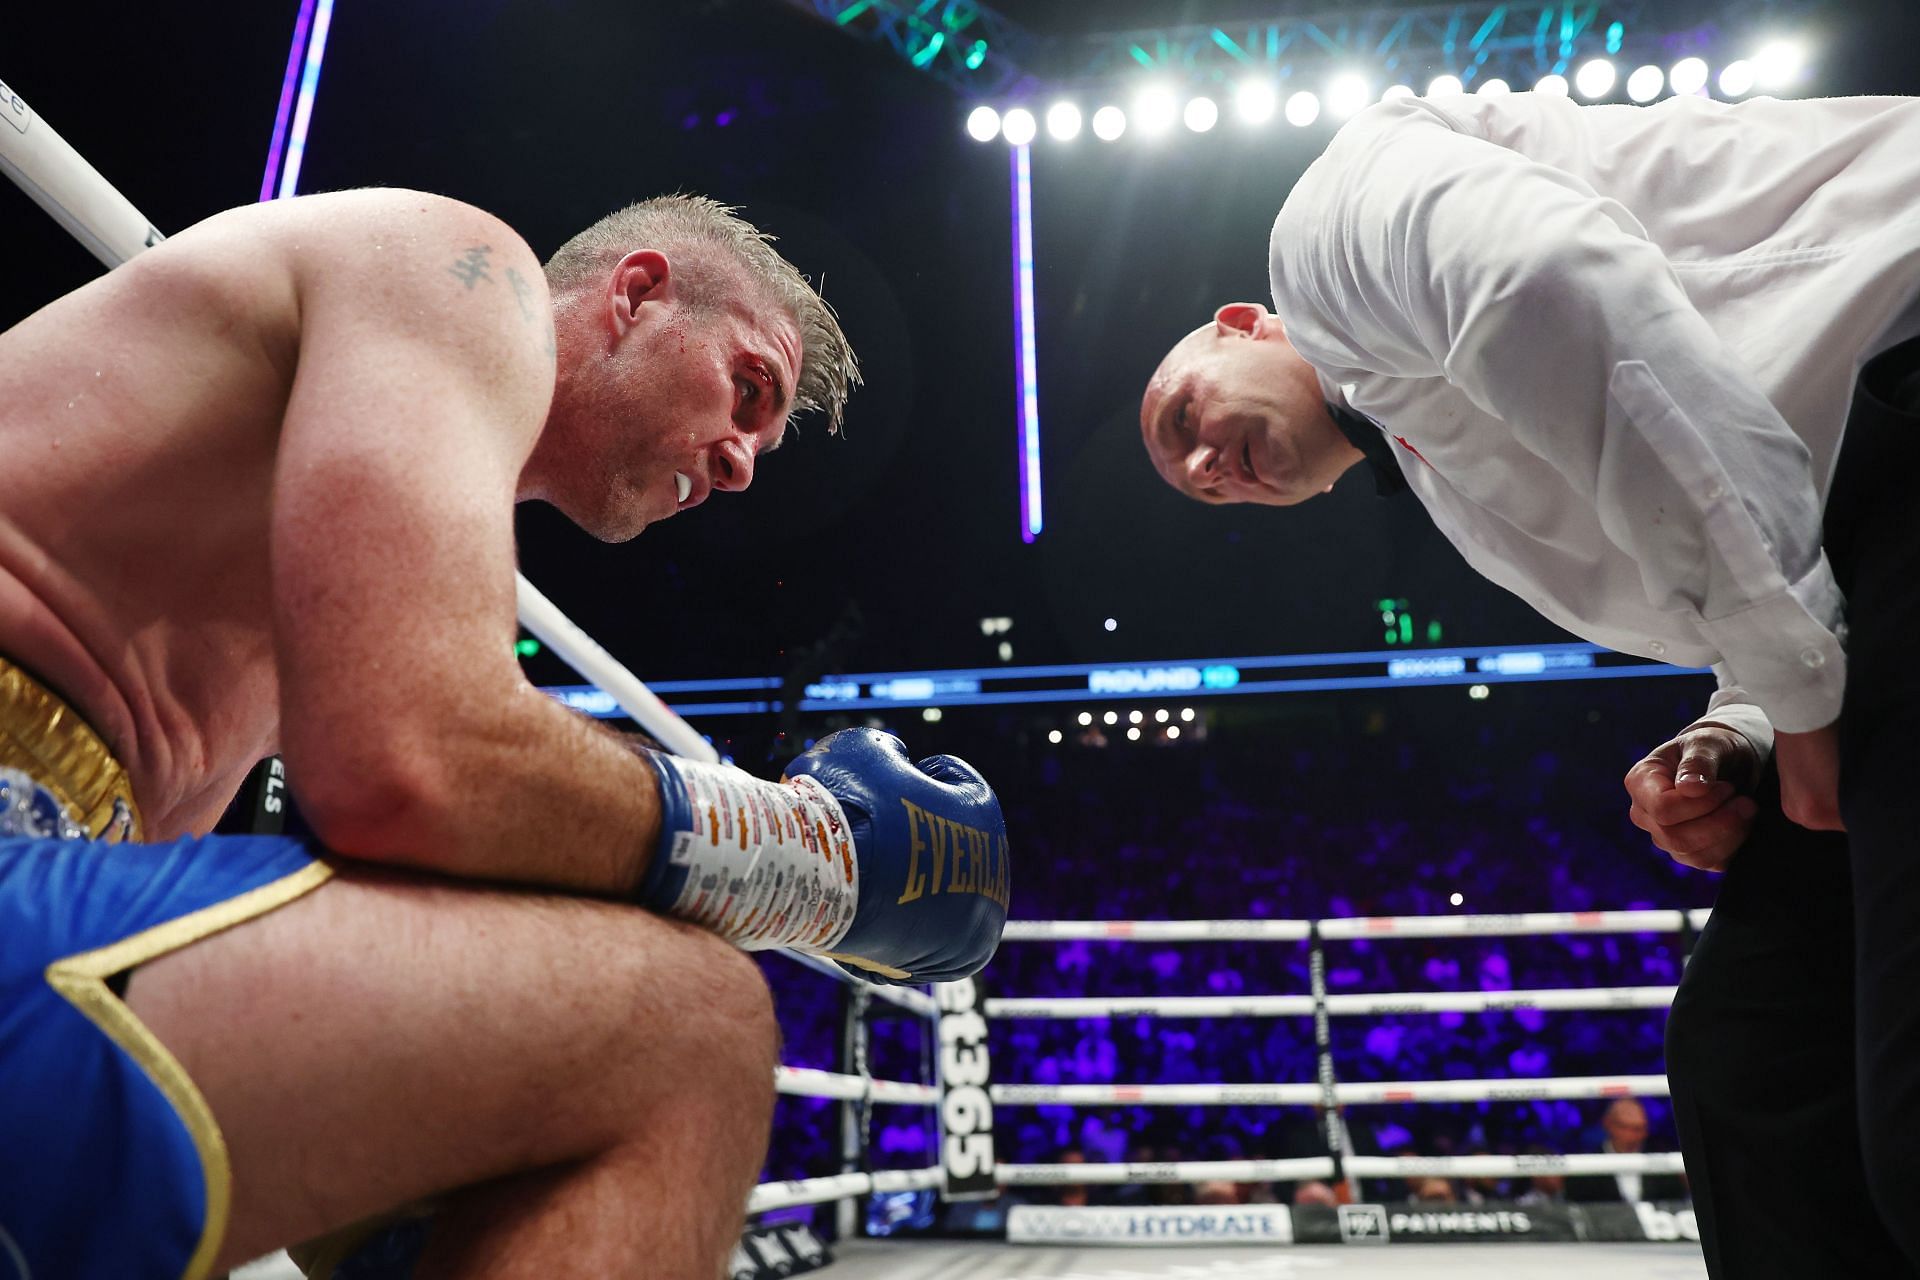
[[1525, 814]]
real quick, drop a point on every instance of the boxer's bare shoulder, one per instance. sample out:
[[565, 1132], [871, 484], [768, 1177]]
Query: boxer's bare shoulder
[[145, 421]]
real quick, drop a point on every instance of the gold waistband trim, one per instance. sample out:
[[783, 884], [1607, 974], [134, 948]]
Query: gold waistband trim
[[42, 736]]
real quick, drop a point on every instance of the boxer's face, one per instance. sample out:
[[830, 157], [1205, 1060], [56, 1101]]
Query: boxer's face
[[1233, 414], [669, 402]]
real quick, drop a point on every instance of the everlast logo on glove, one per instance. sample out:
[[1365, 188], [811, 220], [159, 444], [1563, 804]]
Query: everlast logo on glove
[[945, 857]]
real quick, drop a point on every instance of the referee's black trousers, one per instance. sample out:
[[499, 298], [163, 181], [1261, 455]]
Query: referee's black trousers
[[1794, 1042]]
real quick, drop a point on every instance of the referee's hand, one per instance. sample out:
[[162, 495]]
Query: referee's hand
[[1687, 794]]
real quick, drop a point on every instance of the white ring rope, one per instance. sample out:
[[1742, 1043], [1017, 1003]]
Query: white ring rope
[[839, 1186], [1347, 929], [1382, 1004], [1306, 1095], [1581, 1165], [1053, 1175], [80, 199], [805, 1082]]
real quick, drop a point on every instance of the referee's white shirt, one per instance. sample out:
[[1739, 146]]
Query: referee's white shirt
[[1617, 346]]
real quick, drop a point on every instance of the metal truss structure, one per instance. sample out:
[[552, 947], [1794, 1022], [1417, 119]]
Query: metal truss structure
[[983, 53]]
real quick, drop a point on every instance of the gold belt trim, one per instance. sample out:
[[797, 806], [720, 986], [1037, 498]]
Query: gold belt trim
[[42, 736]]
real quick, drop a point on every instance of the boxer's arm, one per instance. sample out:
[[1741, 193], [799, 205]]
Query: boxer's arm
[[408, 728]]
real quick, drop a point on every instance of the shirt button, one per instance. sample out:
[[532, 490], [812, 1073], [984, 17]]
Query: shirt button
[[1657, 649], [1813, 658], [1715, 493]]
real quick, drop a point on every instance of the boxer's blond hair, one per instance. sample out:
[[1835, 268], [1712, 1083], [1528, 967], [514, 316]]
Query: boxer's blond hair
[[721, 258]]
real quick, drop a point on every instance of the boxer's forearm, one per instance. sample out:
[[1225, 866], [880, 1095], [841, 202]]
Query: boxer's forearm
[[531, 795]]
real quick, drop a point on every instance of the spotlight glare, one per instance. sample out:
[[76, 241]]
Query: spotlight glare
[[1133, 735], [1303, 109], [1109, 123], [1155, 111], [1112, 624], [1347, 96], [1186, 713], [1688, 77], [1255, 101], [1478, 692], [983, 124], [1173, 731], [1201, 114], [1134, 717], [1595, 79], [1645, 84], [1054, 736], [1162, 716], [931, 715], [1457, 899], [1779, 64], [1112, 717], [1395, 92], [1736, 79], [1552, 86], [1063, 121], [1494, 88], [1442, 86], [1086, 718], [1018, 127]]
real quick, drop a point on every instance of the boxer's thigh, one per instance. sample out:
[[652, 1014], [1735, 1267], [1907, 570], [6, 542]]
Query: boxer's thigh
[[387, 1038]]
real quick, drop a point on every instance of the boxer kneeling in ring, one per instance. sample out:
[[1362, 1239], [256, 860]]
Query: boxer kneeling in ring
[[258, 497]]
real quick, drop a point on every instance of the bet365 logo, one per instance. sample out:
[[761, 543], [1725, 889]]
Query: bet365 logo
[[966, 1108]]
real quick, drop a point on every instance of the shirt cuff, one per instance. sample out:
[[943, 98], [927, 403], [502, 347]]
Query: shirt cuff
[[1734, 708], [1788, 651]]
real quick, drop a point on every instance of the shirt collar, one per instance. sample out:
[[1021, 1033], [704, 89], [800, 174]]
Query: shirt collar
[[1364, 434]]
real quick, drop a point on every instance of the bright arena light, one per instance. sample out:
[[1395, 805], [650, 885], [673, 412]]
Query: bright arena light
[[1134, 717], [1494, 88], [1348, 95], [1054, 736], [1162, 716], [1553, 85], [931, 715], [1155, 111], [1063, 121], [1112, 717], [1596, 79], [1645, 84], [1085, 717], [1018, 126], [1186, 713], [1688, 77], [1173, 731], [1736, 79], [1303, 109], [1111, 624], [983, 124], [1441, 86], [1255, 101], [1395, 92], [1779, 64], [1456, 899], [1109, 123], [1133, 735], [1201, 114]]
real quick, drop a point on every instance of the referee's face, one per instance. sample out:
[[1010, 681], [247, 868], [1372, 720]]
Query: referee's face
[[1233, 414]]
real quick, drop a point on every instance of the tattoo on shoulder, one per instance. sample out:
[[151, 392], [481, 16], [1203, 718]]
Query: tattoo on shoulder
[[522, 294], [473, 268]]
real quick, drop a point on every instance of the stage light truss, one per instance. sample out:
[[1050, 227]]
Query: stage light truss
[[968, 46], [982, 52]]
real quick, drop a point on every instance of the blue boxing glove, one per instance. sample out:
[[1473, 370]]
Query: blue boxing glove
[[934, 866], [897, 871]]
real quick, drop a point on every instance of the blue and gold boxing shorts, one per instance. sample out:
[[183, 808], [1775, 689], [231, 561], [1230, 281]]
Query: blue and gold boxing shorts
[[111, 1165]]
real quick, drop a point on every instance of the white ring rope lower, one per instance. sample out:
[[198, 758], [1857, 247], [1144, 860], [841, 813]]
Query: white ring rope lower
[[1053, 1175], [839, 1186], [1383, 1004], [1306, 1095], [806, 1082], [1350, 928]]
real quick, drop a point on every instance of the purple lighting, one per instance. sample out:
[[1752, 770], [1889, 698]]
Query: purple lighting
[[1029, 405], [303, 110], [294, 54]]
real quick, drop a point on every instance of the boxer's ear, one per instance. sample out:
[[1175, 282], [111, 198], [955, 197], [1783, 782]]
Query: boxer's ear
[[1245, 319]]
